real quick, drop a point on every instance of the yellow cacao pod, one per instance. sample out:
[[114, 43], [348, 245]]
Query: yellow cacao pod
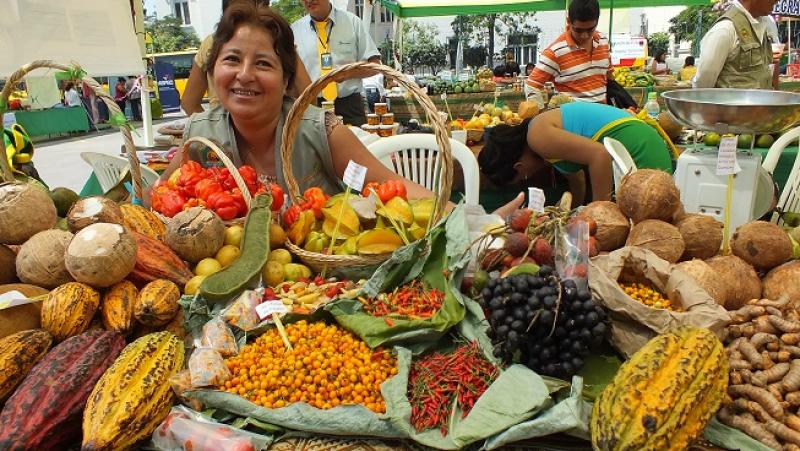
[[663, 397], [18, 353], [134, 395], [69, 309], [157, 303], [117, 307], [142, 220]]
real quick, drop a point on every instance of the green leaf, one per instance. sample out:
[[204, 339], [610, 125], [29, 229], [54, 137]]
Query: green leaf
[[597, 372]]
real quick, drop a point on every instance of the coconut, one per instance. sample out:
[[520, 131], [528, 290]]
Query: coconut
[[7, 272], [762, 244], [707, 278], [101, 254], [670, 126], [195, 234], [93, 210], [701, 234], [41, 259], [658, 236], [740, 279], [648, 194], [612, 225], [782, 281], [24, 212]]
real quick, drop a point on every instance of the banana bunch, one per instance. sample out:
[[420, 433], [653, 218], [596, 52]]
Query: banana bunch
[[627, 78], [307, 296]]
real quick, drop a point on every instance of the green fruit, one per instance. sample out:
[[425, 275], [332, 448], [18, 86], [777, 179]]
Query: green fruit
[[744, 141], [63, 198], [765, 141], [711, 139], [525, 268], [479, 280], [459, 90]]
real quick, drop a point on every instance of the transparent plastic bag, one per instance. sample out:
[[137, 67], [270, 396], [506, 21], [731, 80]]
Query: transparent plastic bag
[[181, 383], [242, 313], [207, 368], [218, 336], [187, 430], [572, 252]]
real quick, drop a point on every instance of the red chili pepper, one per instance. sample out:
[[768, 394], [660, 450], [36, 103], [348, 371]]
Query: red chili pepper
[[206, 187], [277, 196], [291, 214], [166, 201], [391, 189], [224, 205]]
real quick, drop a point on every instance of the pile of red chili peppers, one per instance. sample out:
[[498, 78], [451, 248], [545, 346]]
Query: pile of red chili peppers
[[412, 301], [438, 381]]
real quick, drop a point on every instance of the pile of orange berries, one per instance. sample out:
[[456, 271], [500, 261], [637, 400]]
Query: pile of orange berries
[[327, 367], [648, 295]]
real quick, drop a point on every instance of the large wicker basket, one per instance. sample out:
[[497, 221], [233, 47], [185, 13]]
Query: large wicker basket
[[332, 263]]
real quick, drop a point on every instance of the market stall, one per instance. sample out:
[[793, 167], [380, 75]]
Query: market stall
[[51, 121]]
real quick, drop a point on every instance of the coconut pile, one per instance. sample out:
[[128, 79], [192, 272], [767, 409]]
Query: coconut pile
[[649, 214]]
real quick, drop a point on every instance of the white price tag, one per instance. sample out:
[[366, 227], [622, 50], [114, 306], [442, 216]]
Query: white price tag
[[354, 176], [536, 199], [444, 96], [726, 158], [268, 308]]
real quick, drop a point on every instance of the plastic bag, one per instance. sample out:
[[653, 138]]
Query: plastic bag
[[572, 252], [182, 383], [184, 429], [242, 313], [218, 336], [207, 368]]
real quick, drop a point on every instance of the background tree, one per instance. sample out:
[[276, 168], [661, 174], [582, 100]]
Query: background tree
[[291, 10], [657, 42], [421, 47], [169, 35], [693, 22], [481, 30]]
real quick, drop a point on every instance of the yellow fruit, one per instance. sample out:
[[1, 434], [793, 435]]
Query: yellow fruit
[[207, 266], [193, 284], [273, 273], [233, 235], [281, 256], [227, 255], [277, 236], [295, 272]]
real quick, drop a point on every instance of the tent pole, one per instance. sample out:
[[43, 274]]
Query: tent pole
[[147, 117], [789, 44], [610, 23]]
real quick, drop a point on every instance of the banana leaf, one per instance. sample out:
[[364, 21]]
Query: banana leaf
[[439, 260], [729, 438]]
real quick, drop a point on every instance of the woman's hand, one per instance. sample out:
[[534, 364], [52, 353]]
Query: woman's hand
[[510, 207]]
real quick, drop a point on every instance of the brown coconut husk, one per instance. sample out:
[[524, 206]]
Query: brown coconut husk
[[101, 255], [701, 234], [8, 273], [762, 244], [740, 279], [24, 212], [658, 236], [648, 194], [195, 234], [783, 281], [612, 226], [93, 210], [706, 277], [40, 260]]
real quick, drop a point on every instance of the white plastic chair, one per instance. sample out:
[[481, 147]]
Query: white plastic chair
[[109, 169], [414, 157], [789, 199], [621, 159]]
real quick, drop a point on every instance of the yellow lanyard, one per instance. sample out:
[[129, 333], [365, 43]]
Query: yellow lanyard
[[330, 92]]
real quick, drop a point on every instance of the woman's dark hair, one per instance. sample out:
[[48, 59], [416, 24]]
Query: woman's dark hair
[[120, 79], [583, 10], [503, 148], [69, 86], [659, 54], [226, 3], [249, 12], [689, 61], [528, 67]]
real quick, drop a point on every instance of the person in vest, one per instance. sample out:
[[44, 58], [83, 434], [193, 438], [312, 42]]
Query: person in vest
[[569, 138], [736, 52]]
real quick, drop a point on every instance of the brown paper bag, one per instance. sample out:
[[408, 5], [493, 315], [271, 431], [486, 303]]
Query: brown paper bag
[[632, 323]]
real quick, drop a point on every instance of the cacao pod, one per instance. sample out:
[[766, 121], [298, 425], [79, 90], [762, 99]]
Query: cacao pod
[[18, 353], [69, 309], [117, 307], [663, 397], [157, 303], [155, 260], [46, 411], [142, 220], [134, 395]]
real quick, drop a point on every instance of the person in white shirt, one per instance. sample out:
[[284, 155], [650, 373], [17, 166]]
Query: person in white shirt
[[736, 52], [374, 90], [71, 96]]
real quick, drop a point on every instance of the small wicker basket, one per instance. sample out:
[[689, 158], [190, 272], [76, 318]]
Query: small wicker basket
[[318, 261]]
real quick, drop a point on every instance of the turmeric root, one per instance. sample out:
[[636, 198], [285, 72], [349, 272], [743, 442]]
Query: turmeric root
[[784, 325], [736, 378], [746, 405], [739, 364], [793, 421], [773, 374], [791, 381], [760, 339], [780, 303], [749, 427], [791, 339], [766, 399], [766, 361], [791, 447], [793, 398], [763, 324], [773, 311], [793, 350], [747, 313], [751, 354], [783, 432], [780, 356], [776, 390]]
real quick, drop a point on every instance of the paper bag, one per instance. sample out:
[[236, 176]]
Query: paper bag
[[632, 323]]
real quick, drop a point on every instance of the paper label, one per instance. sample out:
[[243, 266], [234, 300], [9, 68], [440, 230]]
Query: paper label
[[444, 96], [726, 158], [354, 175], [12, 299], [536, 199], [268, 308]]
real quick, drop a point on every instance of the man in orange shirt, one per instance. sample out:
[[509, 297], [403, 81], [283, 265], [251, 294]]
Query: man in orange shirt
[[579, 61]]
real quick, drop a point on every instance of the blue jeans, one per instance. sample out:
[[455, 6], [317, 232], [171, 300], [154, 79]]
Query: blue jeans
[[373, 97]]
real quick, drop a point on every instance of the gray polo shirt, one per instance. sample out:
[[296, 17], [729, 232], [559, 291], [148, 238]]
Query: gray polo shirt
[[349, 41]]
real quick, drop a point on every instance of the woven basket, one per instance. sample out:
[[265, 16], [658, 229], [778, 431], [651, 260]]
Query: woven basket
[[474, 135], [318, 261], [130, 148]]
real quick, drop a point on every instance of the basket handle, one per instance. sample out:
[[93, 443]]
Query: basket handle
[[130, 148], [363, 69], [183, 154]]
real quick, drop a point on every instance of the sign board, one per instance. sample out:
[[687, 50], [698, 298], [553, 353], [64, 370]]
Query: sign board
[[167, 93], [787, 8], [624, 46]]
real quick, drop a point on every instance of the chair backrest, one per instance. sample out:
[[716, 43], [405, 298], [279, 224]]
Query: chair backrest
[[109, 169], [789, 200], [776, 149], [622, 161], [414, 156]]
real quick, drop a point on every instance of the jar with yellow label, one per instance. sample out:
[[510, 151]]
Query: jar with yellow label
[[381, 108], [373, 119], [372, 129], [387, 119], [385, 131]]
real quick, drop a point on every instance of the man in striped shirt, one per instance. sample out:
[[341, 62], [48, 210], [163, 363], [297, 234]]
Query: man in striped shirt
[[579, 61]]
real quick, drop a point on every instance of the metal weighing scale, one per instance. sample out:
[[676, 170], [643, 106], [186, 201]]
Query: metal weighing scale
[[731, 199]]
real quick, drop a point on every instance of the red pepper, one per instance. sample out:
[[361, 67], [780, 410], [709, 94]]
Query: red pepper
[[277, 196], [240, 203], [224, 205], [291, 215], [370, 187], [391, 189], [226, 179], [249, 176], [314, 200], [166, 201], [194, 202], [206, 187], [191, 174]]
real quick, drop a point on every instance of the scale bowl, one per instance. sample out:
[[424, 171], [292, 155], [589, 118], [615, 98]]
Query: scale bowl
[[734, 110]]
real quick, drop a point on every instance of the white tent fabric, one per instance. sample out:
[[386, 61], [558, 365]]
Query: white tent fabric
[[97, 34]]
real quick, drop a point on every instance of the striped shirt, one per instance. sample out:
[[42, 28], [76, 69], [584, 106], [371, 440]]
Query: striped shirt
[[573, 70]]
